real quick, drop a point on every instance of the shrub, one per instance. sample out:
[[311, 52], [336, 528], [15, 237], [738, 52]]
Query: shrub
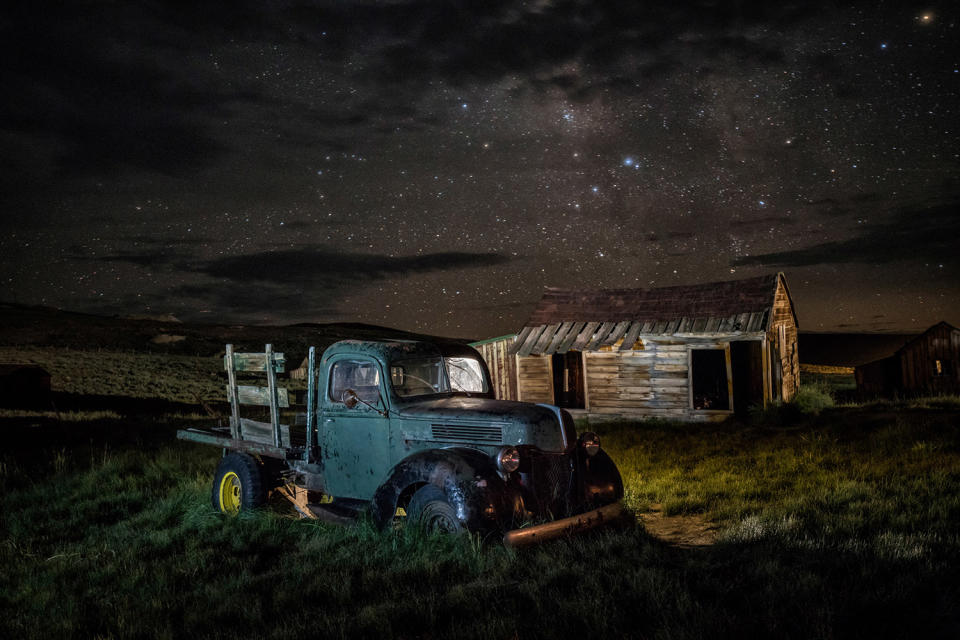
[[811, 400]]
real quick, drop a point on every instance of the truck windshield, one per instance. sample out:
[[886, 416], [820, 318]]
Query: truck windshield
[[426, 376]]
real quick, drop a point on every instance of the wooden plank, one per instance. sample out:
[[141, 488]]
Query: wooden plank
[[571, 337], [558, 337], [540, 348], [262, 432], [631, 336], [602, 332], [586, 334], [520, 339], [618, 332], [312, 440], [255, 362], [231, 394], [260, 396], [531, 340]]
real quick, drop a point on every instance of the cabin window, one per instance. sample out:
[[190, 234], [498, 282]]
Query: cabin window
[[360, 375], [941, 368], [709, 390]]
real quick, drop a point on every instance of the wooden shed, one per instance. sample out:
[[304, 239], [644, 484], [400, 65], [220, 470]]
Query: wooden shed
[[698, 352], [24, 385], [929, 364]]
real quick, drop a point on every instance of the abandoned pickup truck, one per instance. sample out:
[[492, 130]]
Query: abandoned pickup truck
[[410, 430]]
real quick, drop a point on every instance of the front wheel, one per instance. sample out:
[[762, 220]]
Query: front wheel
[[238, 484], [430, 509]]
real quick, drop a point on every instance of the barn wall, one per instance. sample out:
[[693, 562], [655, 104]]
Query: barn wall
[[502, 366], [535, 379], [918, 361], [782, 341], [878, 378], [653, 382]]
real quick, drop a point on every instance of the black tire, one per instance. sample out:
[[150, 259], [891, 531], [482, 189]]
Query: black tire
[[238, 484], [430, 509]]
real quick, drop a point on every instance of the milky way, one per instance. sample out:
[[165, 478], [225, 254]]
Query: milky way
[[433, 166]]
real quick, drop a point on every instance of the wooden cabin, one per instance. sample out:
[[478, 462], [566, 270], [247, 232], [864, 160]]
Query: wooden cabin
[[929, 364], [697, 352]]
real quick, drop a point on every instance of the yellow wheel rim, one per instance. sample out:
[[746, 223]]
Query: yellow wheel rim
[[230, 493]]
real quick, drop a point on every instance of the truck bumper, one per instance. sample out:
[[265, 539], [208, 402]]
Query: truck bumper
[[563, 527]]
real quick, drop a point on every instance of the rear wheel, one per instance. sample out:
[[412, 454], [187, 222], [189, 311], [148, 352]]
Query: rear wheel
[[430, 509], [238, 484]]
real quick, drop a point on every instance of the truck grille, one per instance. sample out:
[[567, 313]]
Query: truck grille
[[481, 433], [551, 476]]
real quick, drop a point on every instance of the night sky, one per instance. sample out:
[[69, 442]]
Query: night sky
[[433, 165]]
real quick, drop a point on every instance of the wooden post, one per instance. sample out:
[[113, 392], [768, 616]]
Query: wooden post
[[234, 404], [311, 401], [726, 355], [272, 390]]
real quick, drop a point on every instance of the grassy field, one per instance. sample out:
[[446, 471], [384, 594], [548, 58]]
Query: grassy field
[[842, 524]]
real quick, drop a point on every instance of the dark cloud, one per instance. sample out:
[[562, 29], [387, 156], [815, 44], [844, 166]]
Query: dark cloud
[[311, 265], [929, 235]]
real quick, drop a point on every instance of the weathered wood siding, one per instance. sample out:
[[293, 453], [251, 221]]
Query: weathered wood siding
[[534, 379], [918, 362], [502, 366], [648, 383], [782, 341]]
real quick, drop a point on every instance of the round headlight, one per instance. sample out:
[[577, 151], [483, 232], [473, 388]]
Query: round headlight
[[590, 442], [508, 459]]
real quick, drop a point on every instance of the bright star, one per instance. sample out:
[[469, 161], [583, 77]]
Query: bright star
[[628, 161]]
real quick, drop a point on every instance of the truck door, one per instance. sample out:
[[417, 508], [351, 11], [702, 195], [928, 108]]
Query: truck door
[[355, 443]]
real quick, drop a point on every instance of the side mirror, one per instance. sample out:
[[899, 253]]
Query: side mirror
[[350, 398]]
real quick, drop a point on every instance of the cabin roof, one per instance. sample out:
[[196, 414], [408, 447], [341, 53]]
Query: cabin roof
[[587, 319], [713, 299]]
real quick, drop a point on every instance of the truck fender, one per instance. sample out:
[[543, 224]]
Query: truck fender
[[601, 481], [467, 477]]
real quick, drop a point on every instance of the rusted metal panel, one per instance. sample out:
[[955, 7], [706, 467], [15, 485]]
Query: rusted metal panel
[[255, 362], [260, 396]]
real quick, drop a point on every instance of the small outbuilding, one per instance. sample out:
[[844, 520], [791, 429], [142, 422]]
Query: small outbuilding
[[24, 385], [697, 352], [929, 364]]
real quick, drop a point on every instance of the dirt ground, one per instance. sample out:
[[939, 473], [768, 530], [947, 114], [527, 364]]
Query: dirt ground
[[685, 531]]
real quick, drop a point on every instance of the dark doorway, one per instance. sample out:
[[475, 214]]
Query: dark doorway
[[708, 377], [746, 366], [568, 380]]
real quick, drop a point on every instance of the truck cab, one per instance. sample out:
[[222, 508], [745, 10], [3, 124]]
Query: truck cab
[[412, 427]]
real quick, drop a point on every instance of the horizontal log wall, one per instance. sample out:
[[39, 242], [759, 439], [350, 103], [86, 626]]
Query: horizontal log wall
[[650, 383], [535, 379]]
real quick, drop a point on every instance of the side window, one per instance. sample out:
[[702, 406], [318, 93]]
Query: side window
[[360, 375]]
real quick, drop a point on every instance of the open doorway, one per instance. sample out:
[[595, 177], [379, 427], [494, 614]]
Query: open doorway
[[568, 380], [746, 365], [709, 390]]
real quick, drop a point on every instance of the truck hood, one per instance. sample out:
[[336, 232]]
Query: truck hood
[[460, 419]]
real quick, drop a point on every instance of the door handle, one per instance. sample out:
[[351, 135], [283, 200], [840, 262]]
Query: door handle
[[328, 420]]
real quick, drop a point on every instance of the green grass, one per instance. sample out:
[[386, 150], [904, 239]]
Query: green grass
[[844, 525]]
